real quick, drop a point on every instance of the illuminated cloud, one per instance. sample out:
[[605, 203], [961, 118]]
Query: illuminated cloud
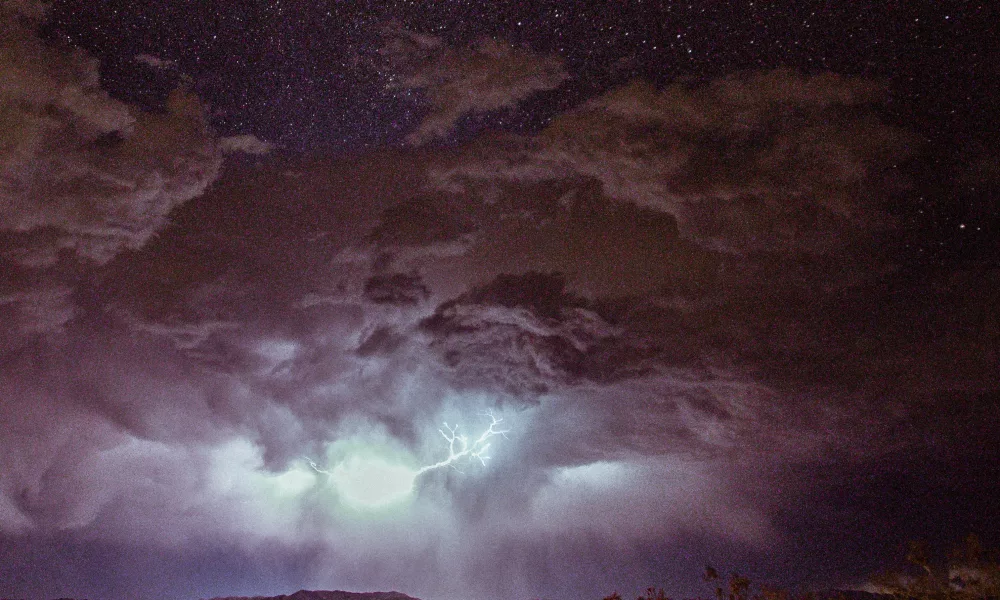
[[626, 502], [40, 309]]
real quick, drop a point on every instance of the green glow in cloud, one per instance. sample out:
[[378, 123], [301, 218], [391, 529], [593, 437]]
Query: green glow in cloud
[[372, 481], [373, 477]]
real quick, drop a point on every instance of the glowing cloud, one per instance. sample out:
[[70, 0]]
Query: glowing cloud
[[368, 479]]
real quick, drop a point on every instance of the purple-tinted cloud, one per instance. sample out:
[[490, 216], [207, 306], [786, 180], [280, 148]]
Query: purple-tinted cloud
[[672, 298]]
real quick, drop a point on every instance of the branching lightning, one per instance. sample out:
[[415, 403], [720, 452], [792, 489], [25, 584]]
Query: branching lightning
[[369, 480], [460, 448]]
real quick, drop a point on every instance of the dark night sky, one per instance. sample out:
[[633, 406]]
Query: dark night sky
[[726, 274]]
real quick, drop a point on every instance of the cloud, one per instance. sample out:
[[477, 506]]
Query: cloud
[[674, 298], [108, 176], [486, 76], [246, 143], [33, 10], [754, 162], [82, 171], [625, 502], [155, 61], [84, 176], [518, 333], [41, 309]]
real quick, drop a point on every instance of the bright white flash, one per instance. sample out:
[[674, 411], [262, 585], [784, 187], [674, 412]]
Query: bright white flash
[[367, 480], [372, 481]]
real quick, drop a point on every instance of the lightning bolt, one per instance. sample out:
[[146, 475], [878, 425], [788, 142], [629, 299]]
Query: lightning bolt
[[372, 481], [460, 448], [315, 467]]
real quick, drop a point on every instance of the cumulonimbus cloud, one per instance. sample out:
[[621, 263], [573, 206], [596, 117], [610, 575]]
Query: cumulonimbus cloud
[[670, 294]]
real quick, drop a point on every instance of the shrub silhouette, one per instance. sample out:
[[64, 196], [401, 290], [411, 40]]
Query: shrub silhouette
[[969, 573], [651, 594]]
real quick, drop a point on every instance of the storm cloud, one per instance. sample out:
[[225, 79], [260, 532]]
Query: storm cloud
[[675, 299]]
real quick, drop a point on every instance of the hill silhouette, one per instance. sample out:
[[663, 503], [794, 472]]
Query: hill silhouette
[[326, 595]]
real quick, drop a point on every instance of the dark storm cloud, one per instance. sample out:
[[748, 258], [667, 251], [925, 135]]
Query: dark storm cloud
[[341, 344], [84, 172], [737, 243], [90, 417], [82, 176], [671, 297], [759, 161], [487, 76]]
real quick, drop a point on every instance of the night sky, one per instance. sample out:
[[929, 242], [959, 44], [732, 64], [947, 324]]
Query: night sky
[[493, 300]]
